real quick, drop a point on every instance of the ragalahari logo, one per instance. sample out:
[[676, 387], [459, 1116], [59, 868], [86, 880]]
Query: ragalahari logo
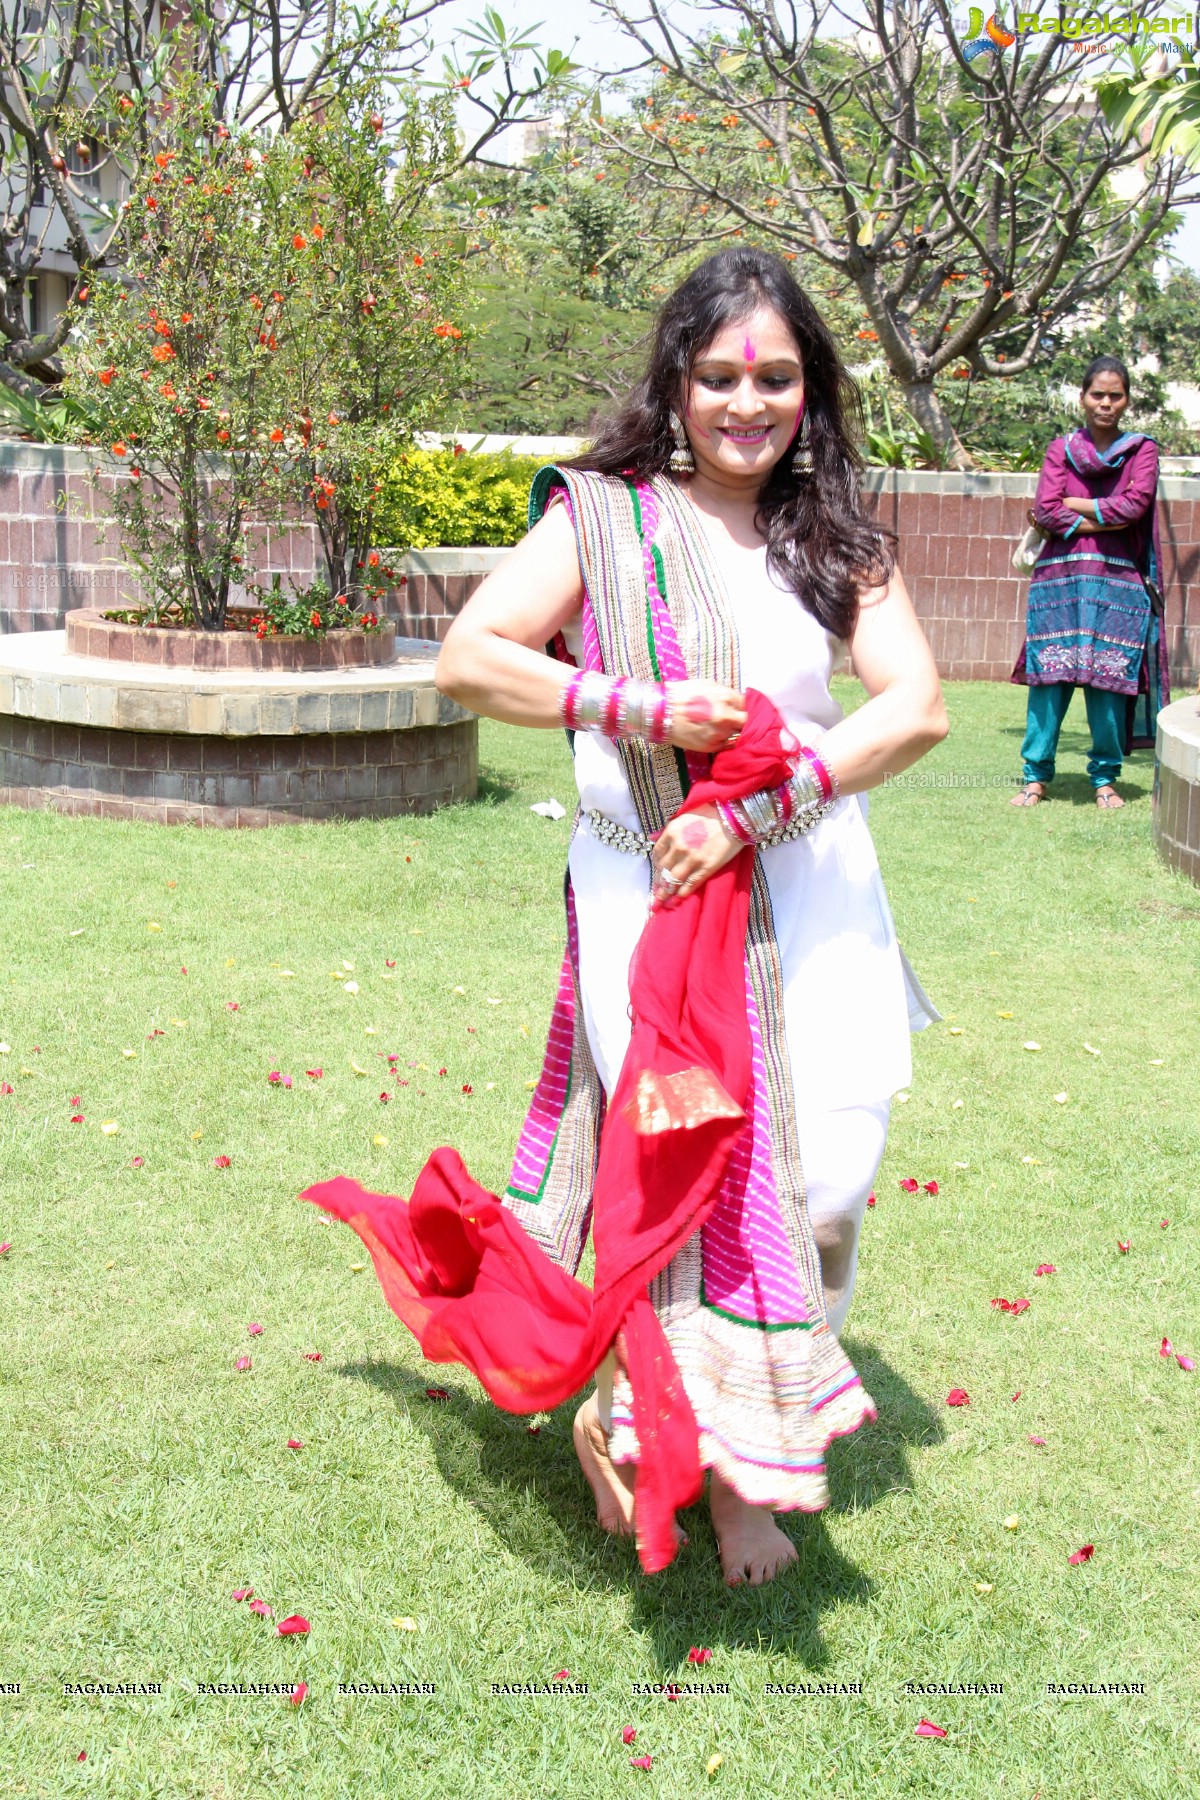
[[985, 39]]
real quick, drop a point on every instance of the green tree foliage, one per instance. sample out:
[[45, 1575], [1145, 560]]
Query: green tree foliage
[[454, 496]]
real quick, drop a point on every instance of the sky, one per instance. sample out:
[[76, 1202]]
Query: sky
[[576, 26]]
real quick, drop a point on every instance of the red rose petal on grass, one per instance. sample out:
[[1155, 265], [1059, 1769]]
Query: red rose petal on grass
[[254, 1330], [312, 1356], [629, 1735], [467, 1088], [436, 1393], [1126, 1247], [1045, 1269], [871, 1198], [137, 1162], [389, 962], [295, 1625], [296, 1698], [295, 1444], [222, 1162], [1002, 1304], [314, 1074], [1083, 1555], [75, 1100], [384, 1098], [1166, 1348], [1018, 1394], [1163, 1223], [561, 1675], [82, 1757], [242, 1363], [927, 1728], [274, 1077], [155, 1033], [533, 1430], [1019, 1306], [1185, 1362], [910, 1185], [242, 1593], [442, 1071], [931, 1187], [4, 1249], [261, 1608], [698, 1655], [231, 1006], [77, 1119], [958, 1397], [641, 1762], [1037, 1440], [6, 1087]]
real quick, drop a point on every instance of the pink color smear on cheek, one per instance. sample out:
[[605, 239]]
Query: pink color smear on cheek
[[748, 351]]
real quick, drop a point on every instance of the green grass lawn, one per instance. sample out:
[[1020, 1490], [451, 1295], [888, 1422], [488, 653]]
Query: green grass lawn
[[143, 1478]]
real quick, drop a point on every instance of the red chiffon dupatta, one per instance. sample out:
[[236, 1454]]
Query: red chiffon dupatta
[[455, 1264]]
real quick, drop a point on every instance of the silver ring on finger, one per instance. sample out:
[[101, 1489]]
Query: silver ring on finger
[[671, 880]]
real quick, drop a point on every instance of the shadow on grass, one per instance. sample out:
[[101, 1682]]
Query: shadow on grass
[[531, 1493], [494, 787]]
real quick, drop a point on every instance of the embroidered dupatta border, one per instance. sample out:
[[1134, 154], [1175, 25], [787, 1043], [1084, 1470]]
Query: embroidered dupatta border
[[694, 635]]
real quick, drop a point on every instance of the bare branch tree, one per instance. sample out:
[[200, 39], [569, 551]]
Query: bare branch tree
[[972, 202]]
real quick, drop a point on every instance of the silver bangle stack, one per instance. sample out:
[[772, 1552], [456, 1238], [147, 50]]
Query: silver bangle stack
[[616, 706], [776, 815]]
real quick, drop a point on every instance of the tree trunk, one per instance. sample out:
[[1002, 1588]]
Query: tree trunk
[[926, 408]]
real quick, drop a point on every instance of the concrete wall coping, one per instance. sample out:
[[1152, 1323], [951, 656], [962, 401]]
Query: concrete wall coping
[[461, 559], [1178, 746], [39, 680]]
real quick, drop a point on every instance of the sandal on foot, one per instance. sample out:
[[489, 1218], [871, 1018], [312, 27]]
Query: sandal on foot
[[1032, 794], [1108, 799]]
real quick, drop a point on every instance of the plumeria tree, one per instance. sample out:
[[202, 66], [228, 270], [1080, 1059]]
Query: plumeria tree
[[971, 200]]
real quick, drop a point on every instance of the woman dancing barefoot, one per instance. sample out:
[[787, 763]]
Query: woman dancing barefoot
[[734, 1011]]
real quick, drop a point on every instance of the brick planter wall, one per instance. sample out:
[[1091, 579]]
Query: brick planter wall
[[172, 779], [956, 538], [1177, 786], [58, 551]]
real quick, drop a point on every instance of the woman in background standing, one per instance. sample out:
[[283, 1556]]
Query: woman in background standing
[[1095, 609]]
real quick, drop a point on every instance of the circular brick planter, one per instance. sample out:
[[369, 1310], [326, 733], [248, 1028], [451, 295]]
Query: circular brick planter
[[236, 744], [89, 633], [1177, 786]]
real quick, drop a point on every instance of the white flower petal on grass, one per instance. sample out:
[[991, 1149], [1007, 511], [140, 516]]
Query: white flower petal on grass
[[1091, 1049], [1030, 1045], [1062, 1099], [549, 809], [351, 987]]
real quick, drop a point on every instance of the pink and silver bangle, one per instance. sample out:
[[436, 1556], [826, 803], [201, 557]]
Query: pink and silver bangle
[[616, 707]]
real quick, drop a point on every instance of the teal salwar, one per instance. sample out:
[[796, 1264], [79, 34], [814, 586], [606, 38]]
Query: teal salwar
[[1048, 705]]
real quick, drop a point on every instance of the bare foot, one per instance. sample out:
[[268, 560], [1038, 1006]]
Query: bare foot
[[1030, 794], [753, 1549], [610, 1482], [1107, 798]]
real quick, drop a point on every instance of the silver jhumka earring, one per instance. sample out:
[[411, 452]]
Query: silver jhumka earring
[[802, 456], [682, 460]]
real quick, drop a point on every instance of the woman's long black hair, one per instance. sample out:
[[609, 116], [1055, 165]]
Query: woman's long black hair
[[819, 540]]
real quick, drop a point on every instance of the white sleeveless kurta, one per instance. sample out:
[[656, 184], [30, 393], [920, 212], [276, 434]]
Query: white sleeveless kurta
[[850, 1000]]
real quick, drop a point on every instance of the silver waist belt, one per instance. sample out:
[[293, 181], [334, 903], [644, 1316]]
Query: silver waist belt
[[635, 843]]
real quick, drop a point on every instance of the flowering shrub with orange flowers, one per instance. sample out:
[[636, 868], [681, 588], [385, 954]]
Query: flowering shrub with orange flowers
[[375, 346], [282, 320]]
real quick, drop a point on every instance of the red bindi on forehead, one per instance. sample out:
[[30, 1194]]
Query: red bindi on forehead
[[748, 350]]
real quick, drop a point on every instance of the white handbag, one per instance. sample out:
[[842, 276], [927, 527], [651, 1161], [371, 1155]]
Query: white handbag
[[1028, 548]]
